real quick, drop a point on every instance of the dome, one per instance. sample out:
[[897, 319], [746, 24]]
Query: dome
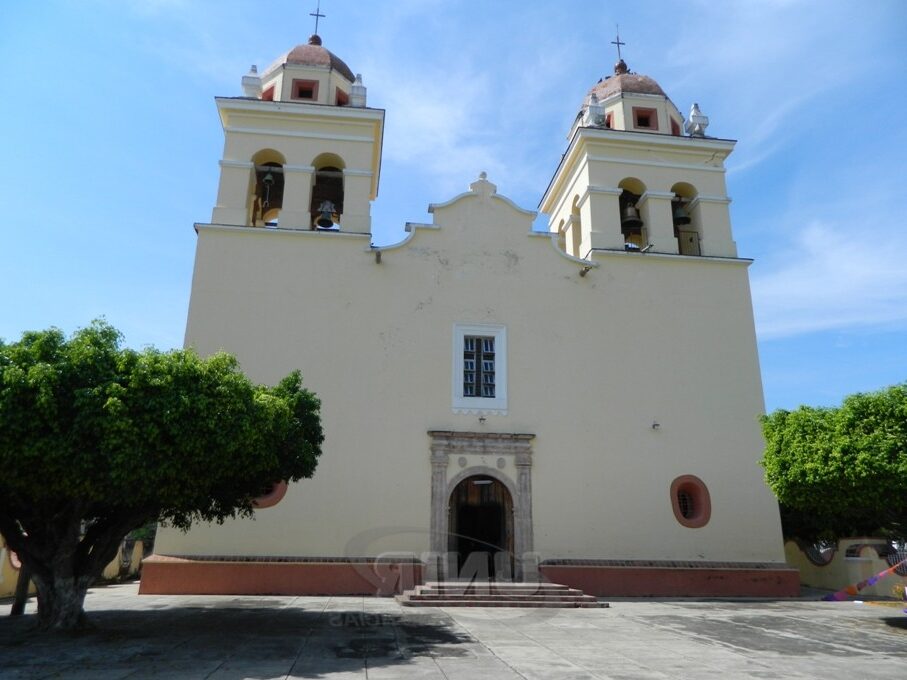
[[623, 81], [313, 54]]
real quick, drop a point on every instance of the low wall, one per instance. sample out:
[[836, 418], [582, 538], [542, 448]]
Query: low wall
[[843, 570], [635, 578], [169, 575]]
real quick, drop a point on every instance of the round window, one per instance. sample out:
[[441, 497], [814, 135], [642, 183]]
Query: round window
[[690, 501], [273, 497]]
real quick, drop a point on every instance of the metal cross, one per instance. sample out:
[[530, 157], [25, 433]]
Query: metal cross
[[317, 14], [616, 42]]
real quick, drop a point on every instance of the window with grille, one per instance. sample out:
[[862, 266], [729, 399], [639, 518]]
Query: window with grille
[[479, 368]]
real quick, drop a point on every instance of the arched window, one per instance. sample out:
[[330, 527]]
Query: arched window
[[266, 192], [685, 216], [632, 225], [327, 192]]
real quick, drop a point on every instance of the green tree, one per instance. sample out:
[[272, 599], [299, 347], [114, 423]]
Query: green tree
[[841, 471], [97, 440]]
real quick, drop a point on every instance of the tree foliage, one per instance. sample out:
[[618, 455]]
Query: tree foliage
[[97, 440], [841, 471]]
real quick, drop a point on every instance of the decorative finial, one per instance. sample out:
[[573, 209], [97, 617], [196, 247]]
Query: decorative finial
[[696, 123], [483, 175], [318, 15]]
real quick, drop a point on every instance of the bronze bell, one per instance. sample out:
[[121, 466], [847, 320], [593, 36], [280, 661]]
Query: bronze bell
[[630, 223], [681, 216], [326, 219], [268, 182]]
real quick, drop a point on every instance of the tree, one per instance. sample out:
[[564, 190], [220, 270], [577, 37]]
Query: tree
[[841, 471], [97, 440]]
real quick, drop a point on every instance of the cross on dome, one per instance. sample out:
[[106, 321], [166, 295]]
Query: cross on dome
[[318, 15], [618, 42]]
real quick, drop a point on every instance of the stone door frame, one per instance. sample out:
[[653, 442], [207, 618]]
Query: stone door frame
[[444, 444]]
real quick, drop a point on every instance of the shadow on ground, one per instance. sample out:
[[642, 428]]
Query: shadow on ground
[[229, 641]]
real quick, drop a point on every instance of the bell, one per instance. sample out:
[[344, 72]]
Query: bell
[[681, 216], [326, 220], [630, 223], [268, 181]]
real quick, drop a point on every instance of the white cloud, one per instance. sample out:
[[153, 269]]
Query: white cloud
[[835, 277]]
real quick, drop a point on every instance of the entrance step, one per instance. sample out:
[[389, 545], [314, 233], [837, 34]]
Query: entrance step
[[497, 594]]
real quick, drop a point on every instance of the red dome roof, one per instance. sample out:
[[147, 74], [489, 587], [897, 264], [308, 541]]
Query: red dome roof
[[313, 54], [624, 81]]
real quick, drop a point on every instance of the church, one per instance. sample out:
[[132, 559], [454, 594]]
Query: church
[[578, 406]]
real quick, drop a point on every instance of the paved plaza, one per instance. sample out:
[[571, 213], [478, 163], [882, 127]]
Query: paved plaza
[[231, 637]]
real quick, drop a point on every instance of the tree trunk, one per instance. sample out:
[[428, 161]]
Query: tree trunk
[[22, 582], [60, 602]]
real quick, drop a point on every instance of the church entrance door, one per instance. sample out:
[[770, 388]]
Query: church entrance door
[[480, 526]]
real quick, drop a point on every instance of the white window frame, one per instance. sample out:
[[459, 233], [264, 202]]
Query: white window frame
[[480, 405]]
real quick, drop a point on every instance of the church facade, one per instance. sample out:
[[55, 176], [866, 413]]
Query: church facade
[[577, 406]]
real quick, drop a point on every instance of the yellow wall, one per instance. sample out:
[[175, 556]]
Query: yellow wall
[[8, 575], [593, 361], [844, 571]]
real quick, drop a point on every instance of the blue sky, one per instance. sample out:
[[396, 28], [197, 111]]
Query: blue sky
[[111, 140]]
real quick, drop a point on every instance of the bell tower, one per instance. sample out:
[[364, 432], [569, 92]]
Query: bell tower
[[302, 150], [637, 178]]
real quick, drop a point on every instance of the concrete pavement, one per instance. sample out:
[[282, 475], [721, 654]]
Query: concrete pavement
[[235, 638]]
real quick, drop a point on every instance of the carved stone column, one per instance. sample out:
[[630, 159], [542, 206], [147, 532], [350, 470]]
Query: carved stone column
[[438, 526], [522, 520]]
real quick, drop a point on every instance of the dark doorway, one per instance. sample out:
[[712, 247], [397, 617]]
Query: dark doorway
[[481, 530]]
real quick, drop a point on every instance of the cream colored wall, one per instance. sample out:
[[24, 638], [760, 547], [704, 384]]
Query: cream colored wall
[[621, 109], [301, 133], [328, 80], [603, 159], [593, 361]]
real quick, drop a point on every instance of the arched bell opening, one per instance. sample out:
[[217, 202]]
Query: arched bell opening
[[480, 529], [327, 192], [632, 224], [686, 218], [266, 190]]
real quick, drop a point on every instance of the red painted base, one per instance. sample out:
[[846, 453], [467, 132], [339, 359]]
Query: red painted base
[[615, 581], [162, 575]]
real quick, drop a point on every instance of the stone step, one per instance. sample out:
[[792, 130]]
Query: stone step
[[502, 587], [580, 597], [495, 584], [566, 592], [497, 594], [508, 603]]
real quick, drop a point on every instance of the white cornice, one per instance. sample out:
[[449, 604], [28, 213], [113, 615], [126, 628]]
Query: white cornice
[[302, 232], [656, 164], [306, 169], [245, 165], [225, 104], [608, 191], [713, 259], [655, 139], [709, 199], [358, 173], [665, 195], [301, 133]]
